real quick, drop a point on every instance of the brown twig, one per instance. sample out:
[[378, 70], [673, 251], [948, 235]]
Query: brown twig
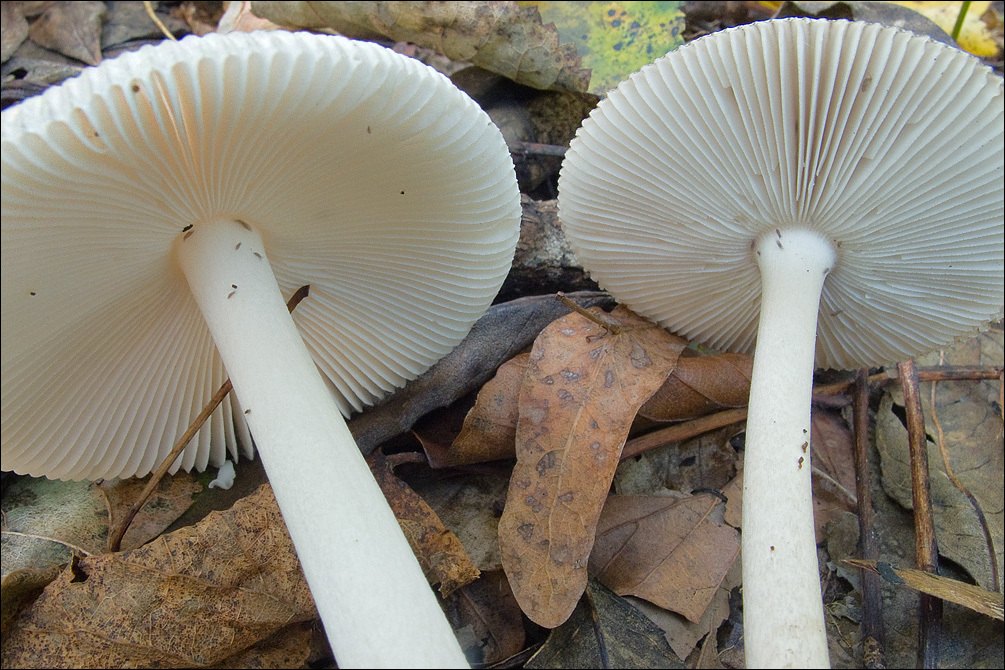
[[115, 538], [873, 636], [924, 525], [925, 374], [599, 317], [682, 431], [941, 442]]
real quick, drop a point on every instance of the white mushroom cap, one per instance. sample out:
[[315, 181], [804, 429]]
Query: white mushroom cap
[[887, 143], [376, 182]]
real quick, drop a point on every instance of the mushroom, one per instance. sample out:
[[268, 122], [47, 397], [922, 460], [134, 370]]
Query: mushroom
[[155, 211], [827, 189]]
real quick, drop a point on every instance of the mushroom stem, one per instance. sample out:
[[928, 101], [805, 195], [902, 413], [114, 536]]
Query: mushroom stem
[[782, 607], [376, 606]]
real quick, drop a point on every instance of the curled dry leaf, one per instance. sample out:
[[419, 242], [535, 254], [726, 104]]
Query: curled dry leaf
[[193, 597], [497, 36], [440, 553], [701, 385], [489, 430], [583, 388], [672, 552]]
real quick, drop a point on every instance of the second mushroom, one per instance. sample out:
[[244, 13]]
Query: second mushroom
[[827, 190]]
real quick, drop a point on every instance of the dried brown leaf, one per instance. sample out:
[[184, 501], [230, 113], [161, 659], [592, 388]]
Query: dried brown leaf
[[437, 430], [288, 647], [20, 588], [191, 598], [701, 385], [440, 553], [489, 430], [684, 635], [71, 28], [497, 36], [581, 393], [733, 491], [672, 552]]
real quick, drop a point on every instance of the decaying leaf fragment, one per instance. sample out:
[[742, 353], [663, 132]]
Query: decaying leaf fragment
[[672, 552], [488, 618], [440, 553], [605, 631], [583, 388], [497, 36], [191, 598]]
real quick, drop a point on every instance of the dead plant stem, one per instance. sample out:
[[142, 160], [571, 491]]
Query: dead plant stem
[[929, 629]]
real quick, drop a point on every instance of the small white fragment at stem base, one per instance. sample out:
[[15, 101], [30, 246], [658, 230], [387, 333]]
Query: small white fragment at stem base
[[224, 477]]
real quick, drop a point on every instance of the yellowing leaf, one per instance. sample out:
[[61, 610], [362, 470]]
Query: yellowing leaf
[[583, 388], [975, 36], [614, 39]]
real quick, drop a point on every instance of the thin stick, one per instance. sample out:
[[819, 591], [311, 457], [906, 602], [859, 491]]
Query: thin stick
[[941, 442], [682, 431], [925, 374], [601, 318], [873, 635], [924, 525], [149, 6], [115, 538]]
